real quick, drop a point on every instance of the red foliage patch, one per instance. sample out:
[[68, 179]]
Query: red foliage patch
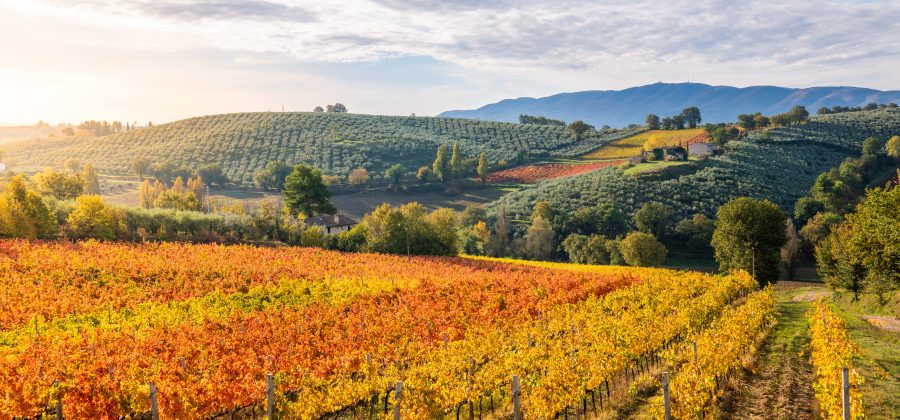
[[531, 174]]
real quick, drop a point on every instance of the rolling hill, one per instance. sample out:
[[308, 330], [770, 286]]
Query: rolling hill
[[779, 164], [335, 142], [619, 108]]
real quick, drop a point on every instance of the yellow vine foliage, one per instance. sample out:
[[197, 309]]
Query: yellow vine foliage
[[832, 350], [720, 349]]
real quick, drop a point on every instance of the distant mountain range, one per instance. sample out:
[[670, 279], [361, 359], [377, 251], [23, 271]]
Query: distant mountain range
[[618, 108]]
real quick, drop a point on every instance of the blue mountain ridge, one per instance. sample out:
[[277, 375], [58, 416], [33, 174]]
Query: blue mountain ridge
[[618, 108]]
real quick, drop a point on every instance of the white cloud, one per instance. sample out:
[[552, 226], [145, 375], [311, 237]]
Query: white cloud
[[487, 50]]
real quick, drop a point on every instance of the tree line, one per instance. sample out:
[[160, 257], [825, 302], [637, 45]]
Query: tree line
[[689, 116]]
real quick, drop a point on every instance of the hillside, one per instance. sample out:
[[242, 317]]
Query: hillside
[[334, 142], [779, 164], [23, 132], [619, 108]]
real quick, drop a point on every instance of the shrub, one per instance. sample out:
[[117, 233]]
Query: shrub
[[642, 250]]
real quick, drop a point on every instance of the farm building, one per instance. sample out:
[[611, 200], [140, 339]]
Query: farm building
[[666, 154], [703, 149], [332, 223]]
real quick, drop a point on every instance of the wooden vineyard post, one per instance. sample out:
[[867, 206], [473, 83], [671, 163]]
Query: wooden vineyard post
[[516, 393], [154, 407], [445, 341], [59, 404], [845, 391], [270, 396], [695, 352], [666, 402], [398, 392]]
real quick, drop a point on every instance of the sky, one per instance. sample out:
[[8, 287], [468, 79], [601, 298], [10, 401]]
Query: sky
[[164, 60]]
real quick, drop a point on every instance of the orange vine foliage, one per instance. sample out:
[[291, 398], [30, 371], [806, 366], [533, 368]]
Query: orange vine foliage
[[217, 358]]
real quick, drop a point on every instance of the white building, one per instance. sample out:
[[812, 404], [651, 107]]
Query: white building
[[332, 223], [703, 149]]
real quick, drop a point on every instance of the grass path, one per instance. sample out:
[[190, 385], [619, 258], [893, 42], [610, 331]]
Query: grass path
[[780, 383]]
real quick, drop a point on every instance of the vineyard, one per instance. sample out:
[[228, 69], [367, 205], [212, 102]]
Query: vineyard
[[833, 350], [334, 142], [632, 146], [780, 166], [92, 325], [530, 174]]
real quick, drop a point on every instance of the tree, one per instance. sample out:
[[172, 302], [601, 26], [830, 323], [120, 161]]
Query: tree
[[146, 195], [411, 229], [870, 146], [873, 238], [696, 232], [482, 168], [318, 109], [23, 214], [691, 116], [358, 176], [893, 147], [760, 120], [439, 167], [604, 219], [642, 250], [836, 264], [91, 184], [667, 123], [171, 199], [790, 252], [823, 111], [141, 167], [653, 122], [212, 174], [395, 172], [178, 185], [818, 227], [746, 121], [305, 193], [653, 218], [749, 235], [72, 165], [423, 173], [474, 237], [473, 214], [539, 240], [271, 176], [456, 165], [542, 210], [653, 142], [678, 122], [338, 107], [499, 242], [583, 249], [164, 171], [521, 154], [60, 185], [578, 128], [91, 218], [805, 208], [798, 114], [530, 119]]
